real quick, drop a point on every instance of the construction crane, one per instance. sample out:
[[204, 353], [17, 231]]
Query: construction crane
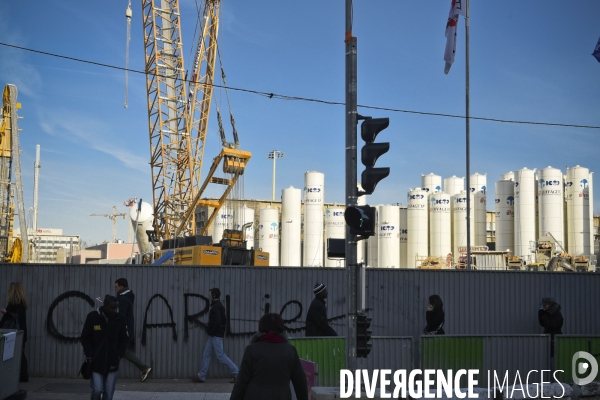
[[178, 113], [10, 158], [113, 217]]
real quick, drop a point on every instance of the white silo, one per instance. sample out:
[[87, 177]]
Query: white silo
[[268, 233], [314, 194], [578, 211], [440, 243], [223, 220], [459, 207], [361, 245], [144, 219], [243, 216], [372, 246], [403, 236], [291, 227], [550, 203], [524, 212], [478, 183], [388, 231], [335, 228], [417, 244], [509, 176], [454, 185], [431, 183], [505, 216]]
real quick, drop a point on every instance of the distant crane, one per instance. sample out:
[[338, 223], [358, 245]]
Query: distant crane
[[113, 217]]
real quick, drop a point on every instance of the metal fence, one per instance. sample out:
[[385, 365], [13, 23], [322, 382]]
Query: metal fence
[[567, 346], [171, 308]]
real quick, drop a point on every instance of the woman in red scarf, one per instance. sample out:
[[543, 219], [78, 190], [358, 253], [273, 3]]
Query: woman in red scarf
[[269, 364]]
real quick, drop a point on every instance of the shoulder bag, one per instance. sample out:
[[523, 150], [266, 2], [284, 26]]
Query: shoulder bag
[[86, 368]]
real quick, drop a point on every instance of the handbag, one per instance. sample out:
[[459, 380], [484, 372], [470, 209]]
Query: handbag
[[86, 368], [12, 322]]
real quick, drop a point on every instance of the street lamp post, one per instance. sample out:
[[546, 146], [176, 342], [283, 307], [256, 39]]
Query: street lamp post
[[274, 155]]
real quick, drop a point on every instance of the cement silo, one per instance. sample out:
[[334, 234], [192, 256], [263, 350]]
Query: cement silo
[[550, 203], [478, 183], [388, 232], [372, 246], [524, 212], [403, 236], [243, 216], [143, 219], [440, 234], [335, 228], [431, 183], [291, 227], [505, 216], [509, 176], [223, 220], [454, 185], [417, 244], [314, 194], [578, 211], [268, 233], [459, 207]]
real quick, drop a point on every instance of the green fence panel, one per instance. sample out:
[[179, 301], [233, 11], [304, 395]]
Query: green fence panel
[[566, 347], [452, 353], [328, 353]]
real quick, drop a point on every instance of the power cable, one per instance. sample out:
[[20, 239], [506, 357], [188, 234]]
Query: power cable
[[297, 98]]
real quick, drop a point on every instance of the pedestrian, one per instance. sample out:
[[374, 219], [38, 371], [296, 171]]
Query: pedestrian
[[316, 317], [126, 297], [14, 317], [105, 340], [269, 364], [216, 333], [435, 316], [550, 317]]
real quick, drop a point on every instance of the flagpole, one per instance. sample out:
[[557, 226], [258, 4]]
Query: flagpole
[[468, 143]]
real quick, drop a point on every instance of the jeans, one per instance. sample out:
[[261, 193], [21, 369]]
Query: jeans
[[131, 357], [215, 344], [103, 385]]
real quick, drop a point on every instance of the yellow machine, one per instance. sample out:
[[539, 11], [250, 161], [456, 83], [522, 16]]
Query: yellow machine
[[178, 110]]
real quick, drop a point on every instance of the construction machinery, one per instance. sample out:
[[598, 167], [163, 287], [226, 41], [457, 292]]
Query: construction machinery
[[550, 255], [178, 112], [113, 217], [10, 163]]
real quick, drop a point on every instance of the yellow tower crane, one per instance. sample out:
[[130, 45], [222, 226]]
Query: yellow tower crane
[[113, 217], [178, 112]]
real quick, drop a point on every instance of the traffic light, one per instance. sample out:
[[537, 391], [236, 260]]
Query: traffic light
[[369, 129], [363, 335], [361, 220]]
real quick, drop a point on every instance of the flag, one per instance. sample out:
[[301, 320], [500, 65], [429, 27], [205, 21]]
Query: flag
[[456, 9], [596, 52]]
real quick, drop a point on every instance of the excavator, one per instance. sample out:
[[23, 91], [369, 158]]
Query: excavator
[[12, 250], [178, 111]]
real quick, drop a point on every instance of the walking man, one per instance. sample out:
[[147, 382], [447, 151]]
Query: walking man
[[216, 332], [316, 318], [126, 297], [104, 339]]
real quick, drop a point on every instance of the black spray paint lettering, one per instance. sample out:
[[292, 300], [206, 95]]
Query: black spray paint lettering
[[171, 324], [50, 320]]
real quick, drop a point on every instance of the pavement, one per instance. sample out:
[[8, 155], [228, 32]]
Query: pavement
[[129, 389]]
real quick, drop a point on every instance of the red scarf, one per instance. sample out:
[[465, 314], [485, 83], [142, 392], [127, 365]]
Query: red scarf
[[271, 338]]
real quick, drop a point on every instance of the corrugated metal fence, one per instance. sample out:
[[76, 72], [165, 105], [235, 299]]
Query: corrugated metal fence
[[171, 308]]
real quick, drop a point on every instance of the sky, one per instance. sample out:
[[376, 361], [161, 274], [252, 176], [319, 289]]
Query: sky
[[530, 60]]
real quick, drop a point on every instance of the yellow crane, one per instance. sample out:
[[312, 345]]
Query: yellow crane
[[178, 113], [10, 162], [113, 217]]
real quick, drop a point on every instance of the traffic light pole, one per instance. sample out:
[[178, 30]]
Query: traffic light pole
[[352, 268]]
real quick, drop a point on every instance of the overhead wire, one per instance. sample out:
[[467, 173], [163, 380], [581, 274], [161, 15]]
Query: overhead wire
[[307, 99]]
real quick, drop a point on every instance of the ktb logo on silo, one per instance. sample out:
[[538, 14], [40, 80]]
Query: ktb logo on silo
[[510, 200], [580, 368], [416, 196], [583, 183], [312, 190]]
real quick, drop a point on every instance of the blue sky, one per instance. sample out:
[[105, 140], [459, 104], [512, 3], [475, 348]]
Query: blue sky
[[530, 61]]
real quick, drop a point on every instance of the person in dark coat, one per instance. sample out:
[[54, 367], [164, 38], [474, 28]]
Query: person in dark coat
[[126, 297], [15, 314], [435, 316], [316, 317], [216, 332], [550, 317], [104, 338], [269, 364]]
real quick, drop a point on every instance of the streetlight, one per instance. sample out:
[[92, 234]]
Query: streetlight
[[274, 155]]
